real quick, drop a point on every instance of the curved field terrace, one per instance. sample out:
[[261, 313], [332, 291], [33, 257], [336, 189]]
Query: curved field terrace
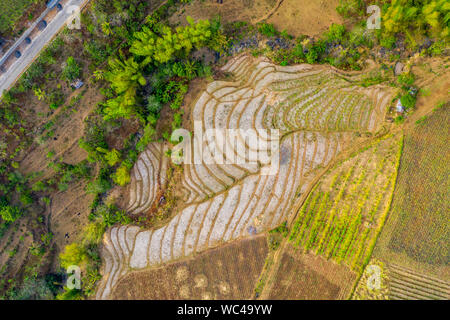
[[318, 112]]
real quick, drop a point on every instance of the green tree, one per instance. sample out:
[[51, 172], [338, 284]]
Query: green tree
[[125, 76], [122, 175], [154, 106], [9, 213], [72, 70], [168, 45]]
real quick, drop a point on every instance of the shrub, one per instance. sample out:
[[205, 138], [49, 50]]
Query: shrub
[[149, 133], [122, 176], [335, 33], [408, 101], [267, 29], [347, 8], [99, 185], [437, 48], [387, 41], [39, 186], [73, 254], [9, 213], [298, 51], [399, 120], [153, 104], [406, 79], [315, 52], [110, 215], [93, 233], [112, 157], [70, 294], [72, 70], [33, 289]]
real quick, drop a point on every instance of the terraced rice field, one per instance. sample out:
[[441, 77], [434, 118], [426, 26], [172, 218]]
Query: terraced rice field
[[344, 213], [317, 109], [148, 178], [228, 272], [406, 284]]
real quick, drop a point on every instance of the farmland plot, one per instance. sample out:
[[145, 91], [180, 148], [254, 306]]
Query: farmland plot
[[228, 272], [310, 277], [317, 110], [345, 212], [148, 177], [396, 282], [406, 284], [422, 199], [417, 233]]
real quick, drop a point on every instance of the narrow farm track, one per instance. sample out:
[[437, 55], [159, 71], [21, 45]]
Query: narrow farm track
[[267, 16], [317, 111]]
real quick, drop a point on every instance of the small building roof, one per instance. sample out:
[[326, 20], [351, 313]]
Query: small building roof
[[252, 230], [400, 107], [77, 84]]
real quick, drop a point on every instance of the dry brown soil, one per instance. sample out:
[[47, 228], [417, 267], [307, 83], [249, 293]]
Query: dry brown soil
[[228, 272]]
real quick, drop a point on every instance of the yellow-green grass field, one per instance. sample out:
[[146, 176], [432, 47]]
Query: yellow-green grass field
[[345, 212], [417, 233]]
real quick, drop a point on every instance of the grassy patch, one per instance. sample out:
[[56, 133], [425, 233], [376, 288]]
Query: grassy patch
[[421, 199], [11, 11]]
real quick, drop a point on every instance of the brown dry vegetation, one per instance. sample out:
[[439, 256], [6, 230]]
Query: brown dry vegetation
[[310, 277], [229, 272], [67, 211], [229, 11], [297, 17], [433, 79], [68, 129], [305, 17]]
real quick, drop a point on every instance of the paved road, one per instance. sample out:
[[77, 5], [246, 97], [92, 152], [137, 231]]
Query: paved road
[[33, 50]]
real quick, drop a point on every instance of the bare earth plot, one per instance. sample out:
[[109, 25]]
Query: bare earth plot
[[415, 241], [318, 111], [296, 17], [310, 277], [228, 272], [229, 11]]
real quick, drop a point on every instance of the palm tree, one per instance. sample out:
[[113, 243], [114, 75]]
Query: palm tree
[[106, 28], [144, 45], [99, 74], [124, 75], [40, 94]]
